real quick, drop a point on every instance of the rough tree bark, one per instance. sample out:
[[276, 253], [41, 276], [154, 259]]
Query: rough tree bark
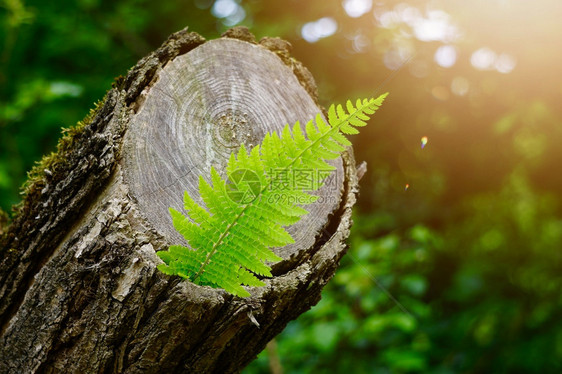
[[79, 289]]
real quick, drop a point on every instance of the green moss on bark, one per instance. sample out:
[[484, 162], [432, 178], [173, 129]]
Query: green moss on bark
[[51, 163]]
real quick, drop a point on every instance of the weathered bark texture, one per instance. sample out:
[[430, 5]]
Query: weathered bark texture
[[79, 289]]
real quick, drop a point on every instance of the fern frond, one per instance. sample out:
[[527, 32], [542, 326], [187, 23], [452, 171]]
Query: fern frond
[[232, 235]]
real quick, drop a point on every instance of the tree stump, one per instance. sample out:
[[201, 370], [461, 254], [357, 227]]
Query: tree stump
[[79, 289]]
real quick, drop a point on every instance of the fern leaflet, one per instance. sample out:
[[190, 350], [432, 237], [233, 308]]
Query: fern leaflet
[[242, 220]]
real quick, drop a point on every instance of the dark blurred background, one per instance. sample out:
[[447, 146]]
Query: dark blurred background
[[455, 259]]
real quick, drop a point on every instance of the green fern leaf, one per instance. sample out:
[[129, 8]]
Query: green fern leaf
[[232, 235]]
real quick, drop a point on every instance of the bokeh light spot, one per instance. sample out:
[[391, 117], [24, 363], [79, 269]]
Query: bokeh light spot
[[229, 11], [359, 43], [356, 8], [483, 59], [440, 93], [61, 88], [235, 18], [486, 59], [505, 63], [446, 56], [409, 22], [388, 19], [436, 26], [410, 14], [396, 57], [322, 28], [224, 8], [460, 86]]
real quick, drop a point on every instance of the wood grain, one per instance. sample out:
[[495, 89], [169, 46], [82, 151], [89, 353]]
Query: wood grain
[[204, 105]]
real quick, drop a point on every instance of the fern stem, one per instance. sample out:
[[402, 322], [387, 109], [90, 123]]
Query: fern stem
[[219, 241]]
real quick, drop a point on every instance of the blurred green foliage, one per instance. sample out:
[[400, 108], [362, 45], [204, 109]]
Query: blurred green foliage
[[459, 273], [59, 57], [480, 296]]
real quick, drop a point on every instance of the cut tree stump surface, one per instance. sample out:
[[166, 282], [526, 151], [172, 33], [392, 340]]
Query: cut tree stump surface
[[205, 104], [79, 289]]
